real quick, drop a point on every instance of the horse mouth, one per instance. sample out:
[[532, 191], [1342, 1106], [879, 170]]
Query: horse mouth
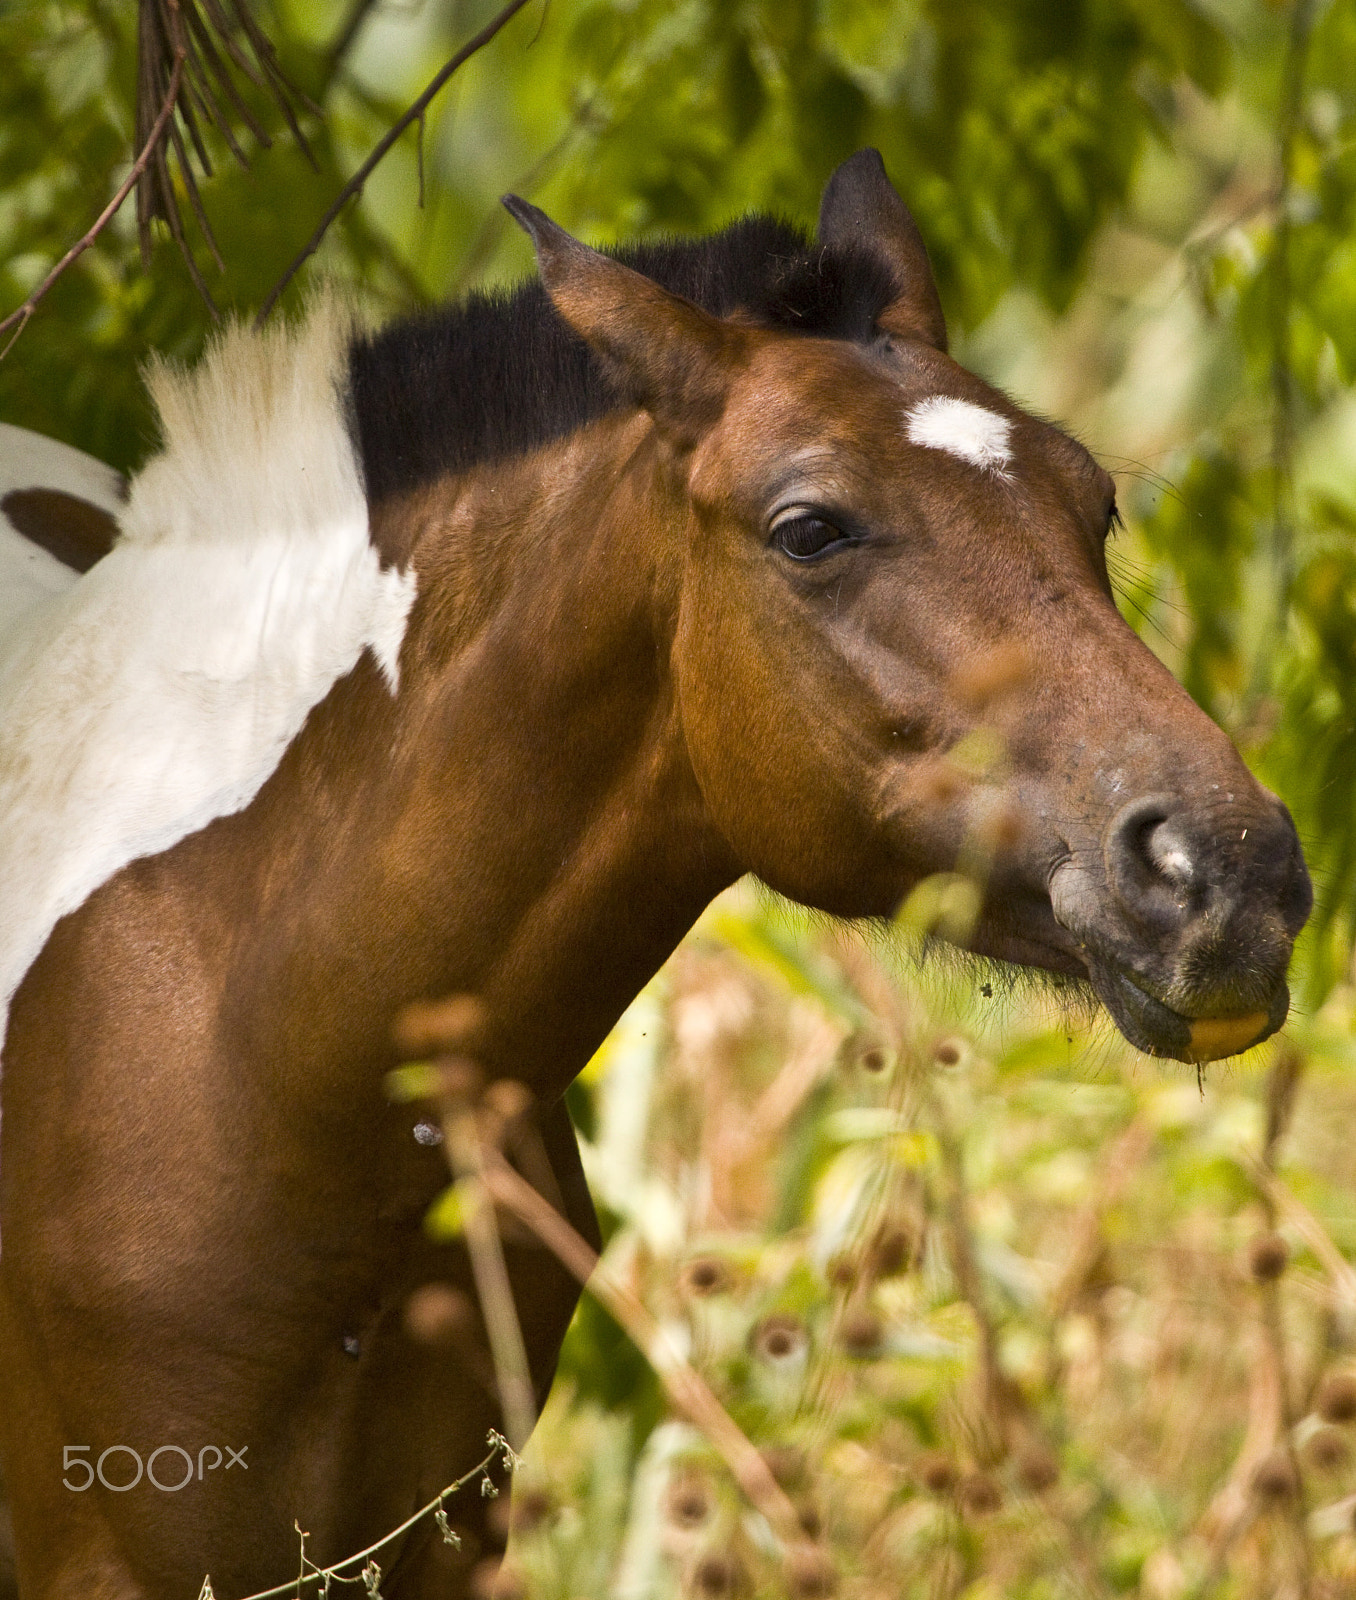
[[1158, 1030]]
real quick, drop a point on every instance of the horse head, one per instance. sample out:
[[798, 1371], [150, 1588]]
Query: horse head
[[897, 649]]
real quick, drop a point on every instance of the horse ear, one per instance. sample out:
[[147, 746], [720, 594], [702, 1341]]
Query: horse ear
[[660, 350], [861, 210]]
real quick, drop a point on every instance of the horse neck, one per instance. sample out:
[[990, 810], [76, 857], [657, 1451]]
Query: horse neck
[[523, 822]]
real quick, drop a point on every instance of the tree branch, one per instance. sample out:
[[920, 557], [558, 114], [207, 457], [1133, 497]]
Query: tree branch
[[1283, 396], [467, 1158], [21, 315], [686, 1389], [355, 184], [1266, 1473], [199, 27]]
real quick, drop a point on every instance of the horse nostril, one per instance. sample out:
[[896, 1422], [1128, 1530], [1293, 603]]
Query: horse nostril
[[1165, 847], [1149, 857]]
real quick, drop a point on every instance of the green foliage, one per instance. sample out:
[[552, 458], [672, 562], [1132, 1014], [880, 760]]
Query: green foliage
[[1253, 538], [1012, 129], [66, 114]]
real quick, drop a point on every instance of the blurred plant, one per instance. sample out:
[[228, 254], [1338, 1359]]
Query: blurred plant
[[1003, 1316]]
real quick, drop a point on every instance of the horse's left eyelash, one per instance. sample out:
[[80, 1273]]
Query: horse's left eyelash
[[1115, 521]]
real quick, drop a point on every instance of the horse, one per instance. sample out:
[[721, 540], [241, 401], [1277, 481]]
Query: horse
[[476, 655]]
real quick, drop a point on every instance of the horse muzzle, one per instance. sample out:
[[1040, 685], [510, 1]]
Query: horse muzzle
[[1158, 1030], [1185, 918]]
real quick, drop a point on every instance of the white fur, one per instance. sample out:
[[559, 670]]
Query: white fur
[[161, 690], [28, 574], [975, 434]]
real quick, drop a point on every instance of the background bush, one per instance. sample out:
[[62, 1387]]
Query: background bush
[[1011, 1311]]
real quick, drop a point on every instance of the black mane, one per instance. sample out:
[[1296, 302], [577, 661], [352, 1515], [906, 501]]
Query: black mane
[[501, 373]]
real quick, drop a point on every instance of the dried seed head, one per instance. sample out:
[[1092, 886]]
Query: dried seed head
[[1268, 1255], [979, 1494], [439, 1027], [438, 1314], [459, 1079], [494, 1579], [787, 1464], [875, 1060], [1275, 1477], [688, 1501], [810, 1574], [892, 1251], [714, 1576], [509, 1099], [707, 1275], [1003, 828], [810, 1520], [937, 1473], [1337, 1397], [940, 782], [530, 1508], [1037, 1468], [843, 1271], [861, 1333], [1327, 1450], [988, 676], [949, 1052], [780, 1338]]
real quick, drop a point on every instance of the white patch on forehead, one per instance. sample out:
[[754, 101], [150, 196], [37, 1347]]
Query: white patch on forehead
[[977, 435], [161, 690], [28, 574]]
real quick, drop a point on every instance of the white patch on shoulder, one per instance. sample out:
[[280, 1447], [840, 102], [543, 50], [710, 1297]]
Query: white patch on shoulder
[[161, 690], [28, 574], [975, 434]]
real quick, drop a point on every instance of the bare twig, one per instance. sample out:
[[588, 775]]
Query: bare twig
[[1310, 1229], [413, 113], [686, 1389], [1268, 1443], [180, 69], [1005, 1423], [316, 1574], [1119, 1165], [467, 1157], [1283, 393], [18, 319], [195, 28]]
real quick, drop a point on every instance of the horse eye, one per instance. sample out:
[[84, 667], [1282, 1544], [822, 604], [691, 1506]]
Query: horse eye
[[806, 536], [1114, 521]]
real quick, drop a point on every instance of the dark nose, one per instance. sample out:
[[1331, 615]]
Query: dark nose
[[1153, 870], [1168, 860]]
